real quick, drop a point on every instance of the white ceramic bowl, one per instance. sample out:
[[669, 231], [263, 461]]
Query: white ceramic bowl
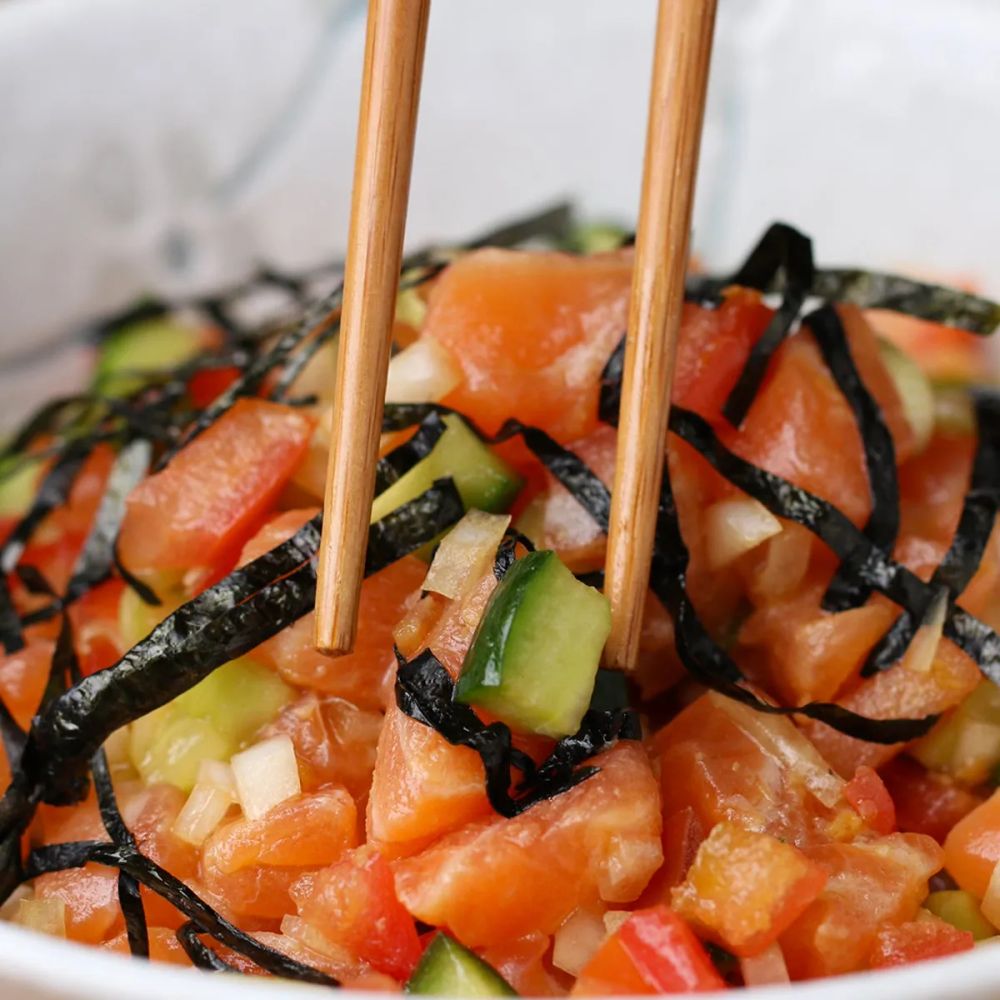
[[170, 144]]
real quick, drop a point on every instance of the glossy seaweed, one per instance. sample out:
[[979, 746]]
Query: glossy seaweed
[[846, 590]]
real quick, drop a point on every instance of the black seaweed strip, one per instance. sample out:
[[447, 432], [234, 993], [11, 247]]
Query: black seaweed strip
[[12, 736], [781, 250], [878, 290], [401, 459], [61, 665], [784, 499], [298, 361], [97, 557], [202, 957], [107, 801], [610, 398], [11, 635], [33, 580], [975, 524], [42, 421], [845, 591], [134, 911], [145, 593], [507, 551], [227, 620], [425, 692], [147, 872]]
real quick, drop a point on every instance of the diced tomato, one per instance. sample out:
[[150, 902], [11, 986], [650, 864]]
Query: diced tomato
[[353, 903], [972, 849], [23, 676], [96, 630], [208, 383], [531, 333], [918, 940], [909, 690], [334, 741], [163, 946], [654, 951], [499, 879], [309, 830], [202, 508], [422, 788], [926, 802], [76, 515], [867, 793], [725, 761], [745, 888], [91, 898], [871, 884]]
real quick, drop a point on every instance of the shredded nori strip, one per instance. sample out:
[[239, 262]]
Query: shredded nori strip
[[975, 524], [845, 590], [202, 957], [782, 251], [875, 569], [425, 692], [400, 460], [507, 551], [937, 303]]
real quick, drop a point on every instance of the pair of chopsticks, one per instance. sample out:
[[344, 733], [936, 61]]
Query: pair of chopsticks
[[393, 62]]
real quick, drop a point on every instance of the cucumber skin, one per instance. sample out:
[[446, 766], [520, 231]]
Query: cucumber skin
[[448, 968], [514, 629]]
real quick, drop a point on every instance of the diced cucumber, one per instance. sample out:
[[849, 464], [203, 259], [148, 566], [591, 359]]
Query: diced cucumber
[[535, 654], [597, 237], [449, 969], [212, 721], [410, 308], [966, 743], [131, 354], [484, 481], [914, 388], [961, 910], [18, 482]]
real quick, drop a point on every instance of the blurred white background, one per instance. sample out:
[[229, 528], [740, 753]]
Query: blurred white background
[[172, 144]]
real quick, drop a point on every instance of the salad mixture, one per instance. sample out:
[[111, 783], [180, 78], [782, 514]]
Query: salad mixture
[[797, 778]]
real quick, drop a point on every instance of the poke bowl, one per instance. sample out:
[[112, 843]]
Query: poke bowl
[[791, 790]]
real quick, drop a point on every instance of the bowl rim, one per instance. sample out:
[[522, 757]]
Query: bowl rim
[[55, 969]]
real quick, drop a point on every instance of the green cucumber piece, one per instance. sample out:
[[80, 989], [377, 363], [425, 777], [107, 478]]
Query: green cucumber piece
[[449, 969], [484, 481], [128, 356], [212, 721], [534, 657], [961, 910], [18, 484]]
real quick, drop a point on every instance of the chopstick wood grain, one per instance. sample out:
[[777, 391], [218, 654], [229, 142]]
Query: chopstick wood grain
[[676, 110], [394, 53]]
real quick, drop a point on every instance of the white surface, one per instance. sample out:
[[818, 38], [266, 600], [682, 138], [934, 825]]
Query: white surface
[[169, 144]]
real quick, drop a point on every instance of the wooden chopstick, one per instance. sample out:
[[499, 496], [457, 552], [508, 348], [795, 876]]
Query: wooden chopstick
[[394, 54], [676, 110]]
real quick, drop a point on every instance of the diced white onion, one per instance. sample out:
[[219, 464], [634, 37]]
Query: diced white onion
[[576, 941], [202, 813], [923, 648], [991, 901], [465, 552], [766, 968], [613, 919], [266, 774], [735, 526], [218, 774], [47, 916], [421, 373], [410, 308]]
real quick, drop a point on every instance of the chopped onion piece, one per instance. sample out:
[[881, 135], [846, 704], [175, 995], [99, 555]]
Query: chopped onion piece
[[424, 372], [766, 968], [923, 648], [218, 774], [410, 308], [266, 774], [991, 901], [613, 919], [575, 942], [47, 916], [735, 526], [465, 552], [204, 810]]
